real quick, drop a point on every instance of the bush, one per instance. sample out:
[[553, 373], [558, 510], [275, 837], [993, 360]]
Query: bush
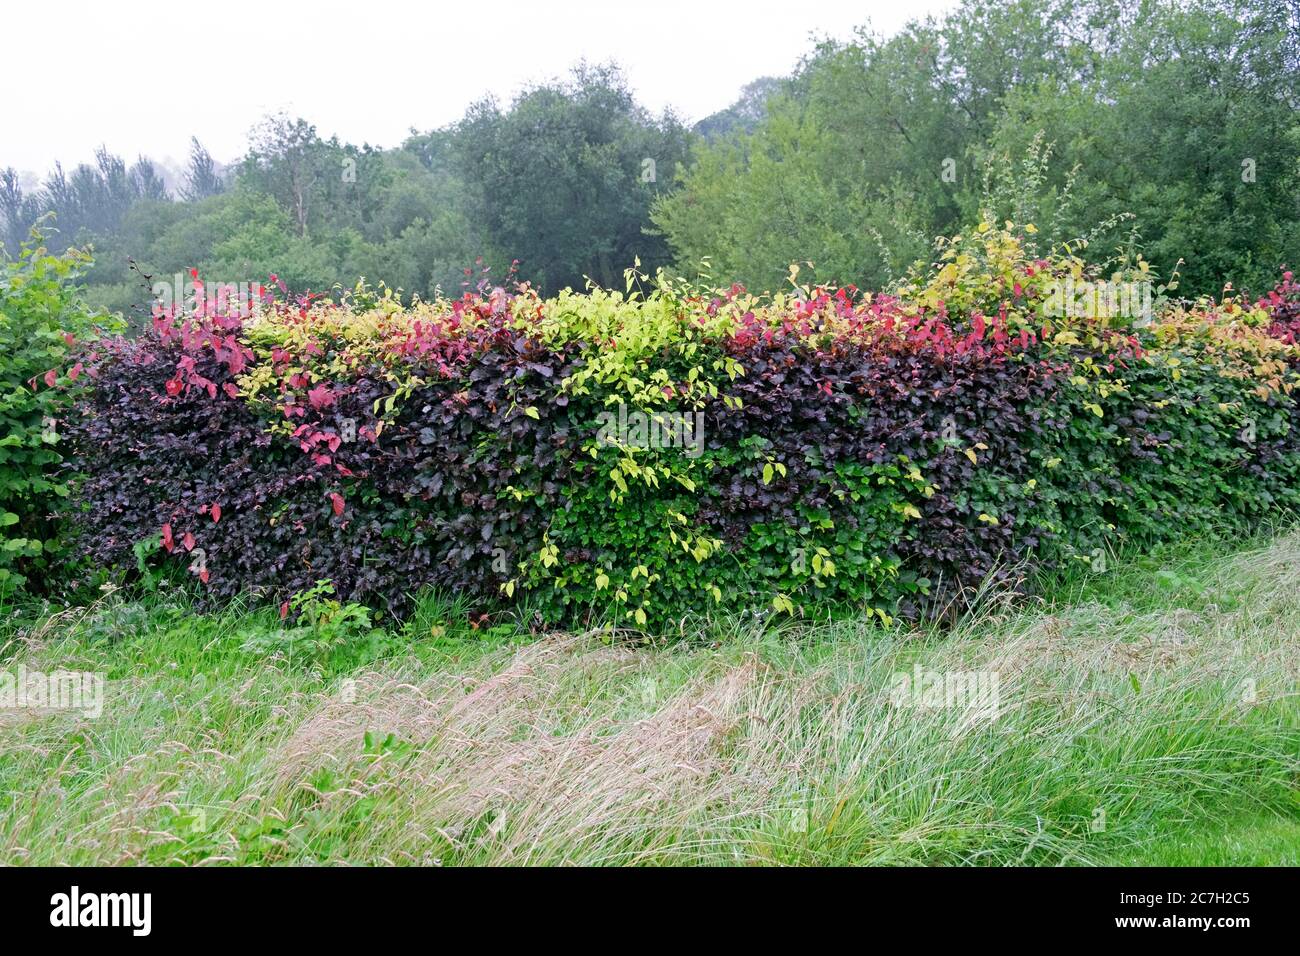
[[642, 455], [41, 318]]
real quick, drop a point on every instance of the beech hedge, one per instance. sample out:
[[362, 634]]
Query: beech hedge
[[639, 456]]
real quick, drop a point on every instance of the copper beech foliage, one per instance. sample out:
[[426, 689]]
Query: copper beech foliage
[[879, 454]]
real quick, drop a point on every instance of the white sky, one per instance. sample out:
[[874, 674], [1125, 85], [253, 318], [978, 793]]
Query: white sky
[[142, 77]]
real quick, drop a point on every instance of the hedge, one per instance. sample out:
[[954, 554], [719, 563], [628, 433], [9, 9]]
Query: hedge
[[41, 318], [641, 456]]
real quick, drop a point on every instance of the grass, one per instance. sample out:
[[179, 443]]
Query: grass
[[1148, 715], [1263, 840]]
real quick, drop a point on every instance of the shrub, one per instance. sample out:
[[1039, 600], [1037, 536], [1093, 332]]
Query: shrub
[[641, 455], [41, 318]]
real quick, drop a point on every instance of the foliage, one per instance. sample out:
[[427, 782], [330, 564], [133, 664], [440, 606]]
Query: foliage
[[1171, 124], [560, 180], [1168, 127], [564, 179], [41, 320], [642, 456]]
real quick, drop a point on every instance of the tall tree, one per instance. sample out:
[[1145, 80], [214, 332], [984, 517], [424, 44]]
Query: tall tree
[[563, 179], [292, 163], [13, 227], [146, 183], [201, 177]]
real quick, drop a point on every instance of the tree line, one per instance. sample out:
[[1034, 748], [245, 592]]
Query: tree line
[[1170, 126]]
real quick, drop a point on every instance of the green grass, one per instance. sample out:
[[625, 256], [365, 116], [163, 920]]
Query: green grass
[[1260, 840], [1148, 715]]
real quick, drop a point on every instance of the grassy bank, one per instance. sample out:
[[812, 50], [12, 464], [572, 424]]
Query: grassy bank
[[1148, 715]]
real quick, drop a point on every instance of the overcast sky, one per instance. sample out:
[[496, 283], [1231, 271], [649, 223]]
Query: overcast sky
[[142, 77]]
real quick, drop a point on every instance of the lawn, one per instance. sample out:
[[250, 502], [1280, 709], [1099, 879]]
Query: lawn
[[1148, 715]]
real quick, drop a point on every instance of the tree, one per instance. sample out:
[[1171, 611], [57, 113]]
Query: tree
[[1172, 123], [301, 171], [15, 210], [563, 179], [747, 112], [146, 184], [202, 178], [1186, 121]]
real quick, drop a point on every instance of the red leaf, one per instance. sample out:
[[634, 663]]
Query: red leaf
[[51, 377], [216, 513], [203, 575], [320, 397], [284, 610], [167, 541], [336, 500], [188, 541]]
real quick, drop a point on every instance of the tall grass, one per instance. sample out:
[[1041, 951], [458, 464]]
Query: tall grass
[[1161, 700]]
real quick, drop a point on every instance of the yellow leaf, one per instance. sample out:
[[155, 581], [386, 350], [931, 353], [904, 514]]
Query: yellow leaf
[[971, 455], [835, 816]]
